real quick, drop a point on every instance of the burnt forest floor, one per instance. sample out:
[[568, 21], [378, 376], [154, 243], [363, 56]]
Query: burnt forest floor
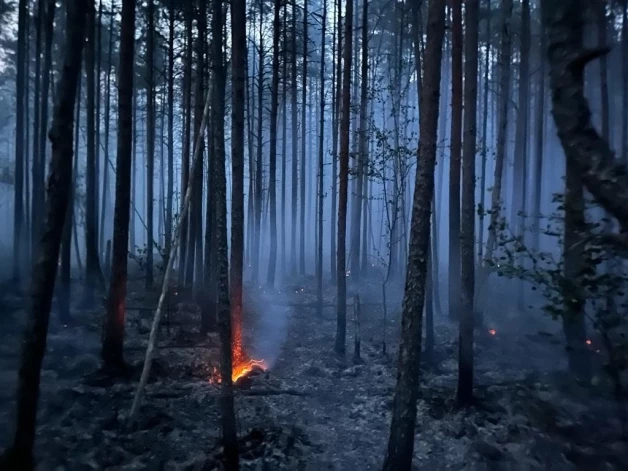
[[311, 410]]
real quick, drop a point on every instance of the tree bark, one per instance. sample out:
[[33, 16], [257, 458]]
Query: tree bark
[[321, 170], [605, 177], [21, 95], [187, 134], [341, 279], [294, 138], [485, 114], [454, 160], [170, 190], [94, 280], [20, 454], [113, 336], [539, 136], [259, 180], [401, 441], [334, 143], [150, 140], [272, 160], [500, 153], [362, 150], [303, 142], [229, 432], [520, 165], [105, 178], [467, 221], [239, 71]]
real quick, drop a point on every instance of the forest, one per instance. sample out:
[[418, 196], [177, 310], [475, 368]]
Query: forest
[[314, 235]]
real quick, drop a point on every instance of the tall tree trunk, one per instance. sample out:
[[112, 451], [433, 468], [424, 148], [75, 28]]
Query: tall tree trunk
[[272, 174], [454, 160], [150, 140], [574, 326], [539, 136], [284, 141], [170, 190], [45, 89], [334, 144], [259, 183], [303, 134], [467, 221], [583, 146], [341, 324], [37, 196], [93, 275], [239, 71], [20, 454], [113, 335], [321, 170], [500, 153], [21, 94], [362, 149], [485, 114], [65, 288], [520, 167], [294, 138], [105, 178], [624, 80], [402, 433], [133, 176], [187, 134], [193, 265], [229, 432]]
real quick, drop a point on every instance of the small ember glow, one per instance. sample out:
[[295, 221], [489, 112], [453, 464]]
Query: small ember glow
[[588, 341], [492, 331]]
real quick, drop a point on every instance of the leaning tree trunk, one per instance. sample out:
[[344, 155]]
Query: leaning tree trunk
[[402, 433], [467, 221], [20, 453], [603, 176], [113, 335], [341, 279]]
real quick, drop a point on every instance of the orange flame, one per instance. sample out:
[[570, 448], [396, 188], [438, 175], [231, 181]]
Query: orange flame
[[242, 365], [238, 371], [492, 331]]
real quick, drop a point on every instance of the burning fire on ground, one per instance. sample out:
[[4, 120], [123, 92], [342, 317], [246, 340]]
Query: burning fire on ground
[[242, 365]]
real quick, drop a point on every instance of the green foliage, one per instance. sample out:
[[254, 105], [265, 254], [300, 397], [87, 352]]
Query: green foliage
[[597, 289]]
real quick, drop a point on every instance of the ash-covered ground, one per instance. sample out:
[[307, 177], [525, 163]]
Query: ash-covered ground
[[311, 410]]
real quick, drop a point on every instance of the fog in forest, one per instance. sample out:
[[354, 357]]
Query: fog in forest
[[403, 238]]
